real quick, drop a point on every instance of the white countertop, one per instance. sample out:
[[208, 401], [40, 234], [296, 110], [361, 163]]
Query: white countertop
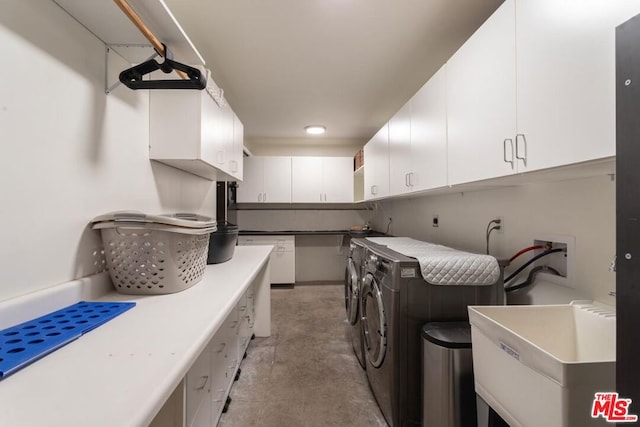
[[121, 373]]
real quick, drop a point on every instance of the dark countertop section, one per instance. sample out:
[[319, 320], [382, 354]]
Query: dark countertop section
[[309, 233]]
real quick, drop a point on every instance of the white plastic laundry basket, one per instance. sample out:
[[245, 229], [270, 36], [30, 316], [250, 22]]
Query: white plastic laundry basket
[[154, 254]]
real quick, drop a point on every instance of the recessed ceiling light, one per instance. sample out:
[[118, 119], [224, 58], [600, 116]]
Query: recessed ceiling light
[[315, 129]]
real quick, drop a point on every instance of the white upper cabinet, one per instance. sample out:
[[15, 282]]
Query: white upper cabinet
[[338, 179], [306, 180], [266, 180], [322, 179], [418, 140], [429, 134], [238, 148], [566, 79], [400, 150], [191, 131], [376, 165], [252, 187], [481, 101]]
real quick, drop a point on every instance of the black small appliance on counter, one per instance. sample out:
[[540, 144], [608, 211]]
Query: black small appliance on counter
[[223, 241]]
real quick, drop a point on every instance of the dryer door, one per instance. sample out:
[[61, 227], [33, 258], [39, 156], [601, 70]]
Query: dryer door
[[374, 323], [351, 292]]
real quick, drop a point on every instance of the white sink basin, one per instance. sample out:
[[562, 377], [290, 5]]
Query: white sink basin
[[541, 365]]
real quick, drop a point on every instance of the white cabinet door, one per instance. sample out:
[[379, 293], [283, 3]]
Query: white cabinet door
[[481, 101], [283, 255], [337, 175], [566, 79], [400, 150], [198, 391], [376, 165], [238, 148], [306, 180], [277, 180], [226, 153], [283, 266], [266, 179], [252, 186], [428, 155]]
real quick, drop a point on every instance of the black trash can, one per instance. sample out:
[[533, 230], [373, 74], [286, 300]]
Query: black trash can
[[449, 398], [222, 243]]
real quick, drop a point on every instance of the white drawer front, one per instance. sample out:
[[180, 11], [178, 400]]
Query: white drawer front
[[281, 243]]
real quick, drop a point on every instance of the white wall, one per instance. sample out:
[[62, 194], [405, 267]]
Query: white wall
[[70, 152], [583, 208]]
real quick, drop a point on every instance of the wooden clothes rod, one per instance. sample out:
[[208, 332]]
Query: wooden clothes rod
[[139, 23]]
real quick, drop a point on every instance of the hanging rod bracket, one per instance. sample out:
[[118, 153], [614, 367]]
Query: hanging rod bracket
[[115, 55]]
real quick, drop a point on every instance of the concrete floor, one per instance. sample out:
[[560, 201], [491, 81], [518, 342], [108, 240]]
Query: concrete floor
[[305, 374]]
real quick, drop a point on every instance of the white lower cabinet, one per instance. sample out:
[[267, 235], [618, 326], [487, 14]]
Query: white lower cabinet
[[283, 255], [198, 392], [200, 398]]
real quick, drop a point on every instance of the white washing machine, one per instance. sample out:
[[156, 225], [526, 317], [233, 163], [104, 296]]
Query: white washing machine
[[352, 292]]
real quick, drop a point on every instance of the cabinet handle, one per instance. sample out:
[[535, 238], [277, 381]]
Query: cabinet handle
[[524, 139], [325, 197], [220, 157], [259, 197], [504, 151], [406, 180], [234, 166], [205, 380], [412, 181], [374, 189], [264, 197]]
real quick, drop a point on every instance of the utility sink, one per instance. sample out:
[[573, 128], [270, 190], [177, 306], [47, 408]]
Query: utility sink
[[541, 365]]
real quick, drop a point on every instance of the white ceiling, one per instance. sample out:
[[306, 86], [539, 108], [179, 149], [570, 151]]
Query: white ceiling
[[347, 64]]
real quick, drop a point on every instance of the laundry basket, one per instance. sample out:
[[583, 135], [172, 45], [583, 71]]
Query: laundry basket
[[154, 254]]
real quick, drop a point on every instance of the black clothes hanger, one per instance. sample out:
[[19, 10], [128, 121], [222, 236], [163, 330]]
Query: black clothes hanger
[[132, 77]]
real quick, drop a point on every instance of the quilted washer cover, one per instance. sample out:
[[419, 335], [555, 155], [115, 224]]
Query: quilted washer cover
[[441, 265]]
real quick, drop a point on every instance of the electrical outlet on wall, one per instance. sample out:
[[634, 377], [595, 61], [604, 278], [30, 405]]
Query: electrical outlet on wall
[[563, 262]]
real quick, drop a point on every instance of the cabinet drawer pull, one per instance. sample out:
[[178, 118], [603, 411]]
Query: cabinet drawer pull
[[374, 189], [259, 197], [504, 151], [205, 380], [220, 157], [264, 197], [519, 137]]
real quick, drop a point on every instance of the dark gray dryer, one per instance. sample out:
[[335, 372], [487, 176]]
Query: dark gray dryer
[[396, 302], [352, 292]]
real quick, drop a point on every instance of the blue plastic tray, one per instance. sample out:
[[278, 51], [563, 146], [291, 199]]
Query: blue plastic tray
[[27, 342]]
